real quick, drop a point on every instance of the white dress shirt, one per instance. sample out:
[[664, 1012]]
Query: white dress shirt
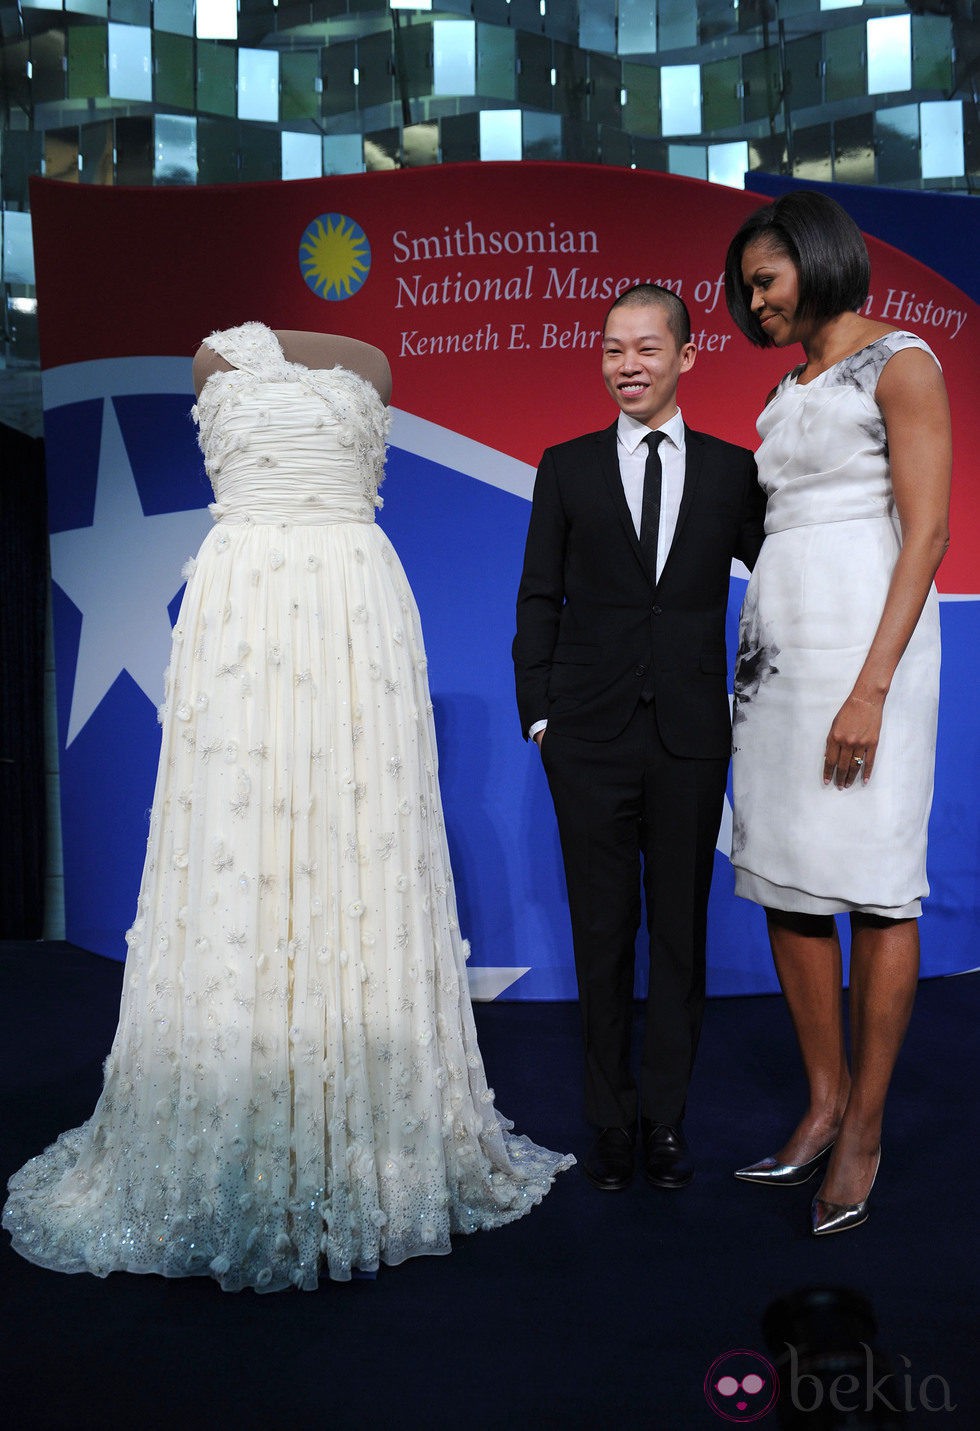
[[632, 452]]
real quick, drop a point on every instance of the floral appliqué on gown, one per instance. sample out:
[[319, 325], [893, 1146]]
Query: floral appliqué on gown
[[295, 1086]]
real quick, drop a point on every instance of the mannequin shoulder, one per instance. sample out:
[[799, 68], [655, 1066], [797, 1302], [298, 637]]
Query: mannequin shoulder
[[330, 350], [207, 361]]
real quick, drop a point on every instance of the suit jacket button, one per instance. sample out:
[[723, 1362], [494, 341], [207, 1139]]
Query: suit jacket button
[[657, 610], [640, 671]]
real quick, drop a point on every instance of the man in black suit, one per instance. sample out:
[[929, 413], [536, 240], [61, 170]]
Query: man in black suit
[[622, 681]]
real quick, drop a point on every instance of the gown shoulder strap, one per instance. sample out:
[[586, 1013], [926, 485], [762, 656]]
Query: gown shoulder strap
[[251, 347]]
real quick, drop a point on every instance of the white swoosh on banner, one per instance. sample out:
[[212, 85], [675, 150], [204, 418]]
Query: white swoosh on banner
[[462, 454]]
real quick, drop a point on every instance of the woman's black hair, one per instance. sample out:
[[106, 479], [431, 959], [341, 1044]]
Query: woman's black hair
[[823, 242]]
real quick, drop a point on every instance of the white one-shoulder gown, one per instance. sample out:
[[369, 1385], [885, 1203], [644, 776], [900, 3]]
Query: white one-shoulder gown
[[295, 1084]]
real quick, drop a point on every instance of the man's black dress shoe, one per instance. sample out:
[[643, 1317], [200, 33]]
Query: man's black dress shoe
[[609, 1164], [666, 1160]]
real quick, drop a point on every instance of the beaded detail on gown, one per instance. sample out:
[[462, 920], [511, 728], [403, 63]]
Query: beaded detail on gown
[[810, 613], [295, 1085]]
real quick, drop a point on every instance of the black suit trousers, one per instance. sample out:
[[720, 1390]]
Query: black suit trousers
[[630, 811]]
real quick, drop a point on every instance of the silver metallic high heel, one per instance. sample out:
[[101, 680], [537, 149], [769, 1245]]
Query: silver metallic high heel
[[827, 1217], [772, 1173]]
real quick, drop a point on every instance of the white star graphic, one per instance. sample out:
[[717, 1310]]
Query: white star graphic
[[121, 573]]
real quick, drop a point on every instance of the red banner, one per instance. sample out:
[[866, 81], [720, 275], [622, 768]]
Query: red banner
[[489, 305]]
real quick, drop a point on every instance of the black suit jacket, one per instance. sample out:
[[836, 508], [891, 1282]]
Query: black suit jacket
[[592, 621]]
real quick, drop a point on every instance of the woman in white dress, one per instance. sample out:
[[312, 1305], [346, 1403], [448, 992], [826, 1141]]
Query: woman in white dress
[[295, 1085], [837, 678]]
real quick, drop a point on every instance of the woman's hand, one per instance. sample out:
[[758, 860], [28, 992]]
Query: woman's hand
[[853, 742]]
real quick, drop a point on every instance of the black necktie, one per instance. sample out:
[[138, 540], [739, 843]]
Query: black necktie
[[650, 511]]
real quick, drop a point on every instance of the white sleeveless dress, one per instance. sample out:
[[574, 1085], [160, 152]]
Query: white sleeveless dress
[[810, 612], [295, 1084]]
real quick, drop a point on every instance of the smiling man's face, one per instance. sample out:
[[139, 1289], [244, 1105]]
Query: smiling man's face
[[642, 363]]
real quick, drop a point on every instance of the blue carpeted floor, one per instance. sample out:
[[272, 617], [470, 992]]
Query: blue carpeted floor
[[597, 1311]]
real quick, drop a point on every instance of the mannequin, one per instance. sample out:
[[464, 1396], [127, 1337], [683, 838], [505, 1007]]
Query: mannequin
[[317, 351]]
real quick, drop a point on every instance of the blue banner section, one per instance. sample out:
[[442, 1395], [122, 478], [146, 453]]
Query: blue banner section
[[941, 230]]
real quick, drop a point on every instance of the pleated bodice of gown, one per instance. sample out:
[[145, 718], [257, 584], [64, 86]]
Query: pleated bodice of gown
[[295, 1085]]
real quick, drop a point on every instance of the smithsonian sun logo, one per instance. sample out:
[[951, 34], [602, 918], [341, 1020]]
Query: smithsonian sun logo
[[334, 256]]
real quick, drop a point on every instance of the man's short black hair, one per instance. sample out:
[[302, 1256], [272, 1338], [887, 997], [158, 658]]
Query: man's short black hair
[[824, 243], [645, 295]]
